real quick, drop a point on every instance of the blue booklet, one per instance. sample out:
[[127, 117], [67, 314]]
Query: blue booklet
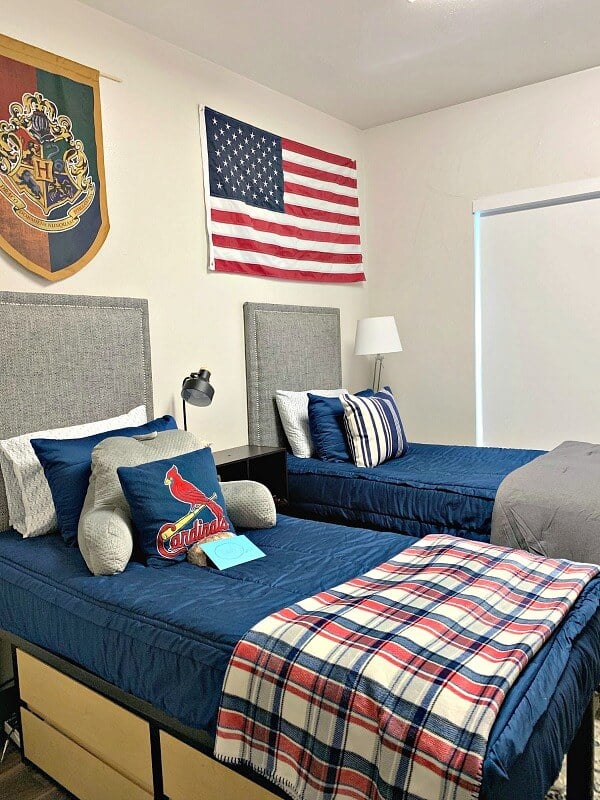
[[231, 552]]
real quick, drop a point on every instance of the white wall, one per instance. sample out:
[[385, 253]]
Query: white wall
[[156, 247], [422, 175]]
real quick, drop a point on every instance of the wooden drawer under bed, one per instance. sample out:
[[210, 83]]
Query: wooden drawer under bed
[[98, 750], [66, 724], [189, 774], [86, 776]]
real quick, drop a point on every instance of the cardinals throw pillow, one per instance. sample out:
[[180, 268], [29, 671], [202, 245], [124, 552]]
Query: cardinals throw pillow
[[174, 503]]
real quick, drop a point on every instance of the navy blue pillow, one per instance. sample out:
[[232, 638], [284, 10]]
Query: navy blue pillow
[[174, 503], [326, 423], [67, 466]]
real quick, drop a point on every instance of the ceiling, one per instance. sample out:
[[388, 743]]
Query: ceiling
[[374, 61]]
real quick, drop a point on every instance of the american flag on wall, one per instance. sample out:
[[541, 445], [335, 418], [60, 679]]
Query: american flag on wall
[[276, 207]]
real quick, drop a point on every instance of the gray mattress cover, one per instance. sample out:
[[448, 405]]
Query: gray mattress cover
[[551, 506]]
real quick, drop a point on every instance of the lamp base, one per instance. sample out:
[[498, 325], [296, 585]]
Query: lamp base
[[377, 372]]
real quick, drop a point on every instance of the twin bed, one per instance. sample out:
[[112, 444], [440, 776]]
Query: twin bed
[[431, 489], [546, 503], [137, 660]]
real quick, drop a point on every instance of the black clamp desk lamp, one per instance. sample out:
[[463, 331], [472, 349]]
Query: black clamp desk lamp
[[197, 391]]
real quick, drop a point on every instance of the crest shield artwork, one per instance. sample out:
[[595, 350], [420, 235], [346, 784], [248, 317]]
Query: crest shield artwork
[[53, 214]]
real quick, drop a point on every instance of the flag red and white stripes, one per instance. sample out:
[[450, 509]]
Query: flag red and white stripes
[[278, 208]]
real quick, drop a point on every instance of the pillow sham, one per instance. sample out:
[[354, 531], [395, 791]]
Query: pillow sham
[[249, 504], [174, 503], [293, 412], [67, 464], [326, 423], [373, 428], [30, 506], [104, 534]]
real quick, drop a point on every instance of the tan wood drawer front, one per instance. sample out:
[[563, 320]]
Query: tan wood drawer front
[[115, 735], [191, 775], [81, 773]]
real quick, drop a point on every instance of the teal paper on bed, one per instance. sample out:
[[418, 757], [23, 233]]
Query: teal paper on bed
[[230, 552]]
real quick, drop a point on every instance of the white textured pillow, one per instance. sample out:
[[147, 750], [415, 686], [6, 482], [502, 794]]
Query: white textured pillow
[[30, 505], [293, 411]]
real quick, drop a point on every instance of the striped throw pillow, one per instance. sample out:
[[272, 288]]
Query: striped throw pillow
[[373, 428]]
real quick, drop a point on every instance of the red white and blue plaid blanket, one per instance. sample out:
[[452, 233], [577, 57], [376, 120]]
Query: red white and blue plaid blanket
[[388, 685]]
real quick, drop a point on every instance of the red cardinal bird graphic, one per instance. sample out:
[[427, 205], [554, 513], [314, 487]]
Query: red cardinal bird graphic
[[174, 538], [186, 492]]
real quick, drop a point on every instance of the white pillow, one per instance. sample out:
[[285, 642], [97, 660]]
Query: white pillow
[[30, 506], [293, 411]]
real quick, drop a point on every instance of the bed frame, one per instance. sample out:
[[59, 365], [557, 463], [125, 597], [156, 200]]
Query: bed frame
[[89, 357]]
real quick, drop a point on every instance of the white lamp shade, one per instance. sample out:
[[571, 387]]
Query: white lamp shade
[[376, 335]]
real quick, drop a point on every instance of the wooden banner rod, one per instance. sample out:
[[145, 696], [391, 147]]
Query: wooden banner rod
[[111, 77]]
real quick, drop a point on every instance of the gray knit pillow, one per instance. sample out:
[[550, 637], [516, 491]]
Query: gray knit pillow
[[105, 535], [249, 504]]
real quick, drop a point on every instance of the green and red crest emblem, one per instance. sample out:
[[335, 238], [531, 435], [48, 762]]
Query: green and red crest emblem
[[53, 216]]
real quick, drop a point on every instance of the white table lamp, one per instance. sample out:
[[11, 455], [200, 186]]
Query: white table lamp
[[376, 336]]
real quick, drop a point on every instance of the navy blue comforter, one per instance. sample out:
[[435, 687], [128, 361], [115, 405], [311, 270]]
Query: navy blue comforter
[[434, 488], [166, 635]]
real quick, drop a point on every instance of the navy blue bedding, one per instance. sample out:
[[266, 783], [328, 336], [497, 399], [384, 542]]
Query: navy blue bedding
[[166, 635], [434, 488]]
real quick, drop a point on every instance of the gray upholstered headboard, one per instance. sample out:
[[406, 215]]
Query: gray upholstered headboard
[[67, 359], [287, 347]]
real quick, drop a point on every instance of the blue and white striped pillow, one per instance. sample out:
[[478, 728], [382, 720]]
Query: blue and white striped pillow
[[373, 428]]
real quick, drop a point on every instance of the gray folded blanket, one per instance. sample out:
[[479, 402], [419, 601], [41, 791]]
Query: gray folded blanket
[[551, 506]]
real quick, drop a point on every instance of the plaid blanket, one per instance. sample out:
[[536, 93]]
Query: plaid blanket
[[388, 685]]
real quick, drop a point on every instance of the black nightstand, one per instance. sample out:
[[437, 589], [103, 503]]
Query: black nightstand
[[263, 464]]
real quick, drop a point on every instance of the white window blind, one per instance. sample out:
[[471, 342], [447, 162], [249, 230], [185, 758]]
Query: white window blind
[[538, 323]]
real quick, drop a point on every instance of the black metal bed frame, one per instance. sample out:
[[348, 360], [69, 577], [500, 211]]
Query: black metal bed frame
[[580, 756]]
